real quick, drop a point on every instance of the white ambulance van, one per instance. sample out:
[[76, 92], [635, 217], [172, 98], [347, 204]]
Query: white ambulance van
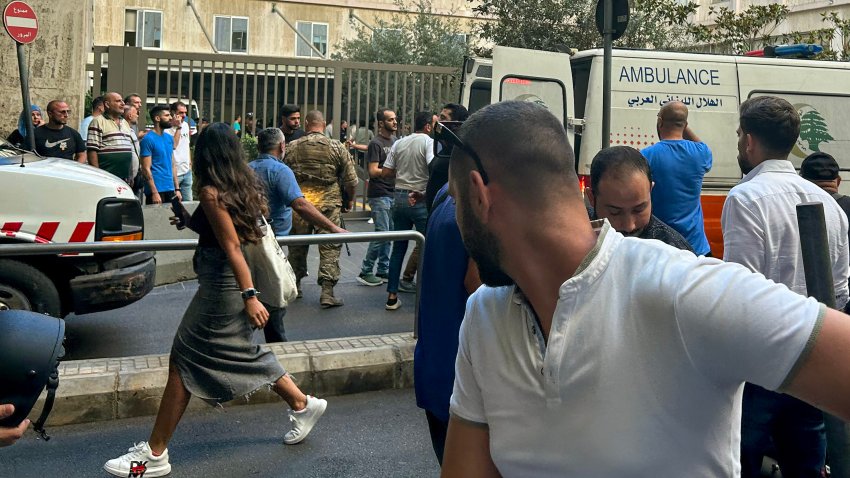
[[51, 200], [712, 86]]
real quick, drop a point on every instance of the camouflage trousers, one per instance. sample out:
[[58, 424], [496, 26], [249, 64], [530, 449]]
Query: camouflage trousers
[[328, 253]]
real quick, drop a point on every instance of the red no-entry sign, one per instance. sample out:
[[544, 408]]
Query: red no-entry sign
[[20, 22]]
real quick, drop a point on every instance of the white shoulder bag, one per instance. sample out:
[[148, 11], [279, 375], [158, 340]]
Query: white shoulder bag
[[270, 270]]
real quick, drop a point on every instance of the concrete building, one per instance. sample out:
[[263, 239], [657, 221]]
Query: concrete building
[[805, 15], [251, 27]]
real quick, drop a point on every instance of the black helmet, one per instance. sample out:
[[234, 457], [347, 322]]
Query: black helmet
[[30, 349]]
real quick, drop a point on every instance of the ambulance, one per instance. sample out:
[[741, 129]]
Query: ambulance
[[712, 86], [51, 200]]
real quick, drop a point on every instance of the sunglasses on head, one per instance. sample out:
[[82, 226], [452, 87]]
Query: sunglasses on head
[[443, 132]]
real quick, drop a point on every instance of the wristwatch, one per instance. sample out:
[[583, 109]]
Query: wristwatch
[[248, 293]]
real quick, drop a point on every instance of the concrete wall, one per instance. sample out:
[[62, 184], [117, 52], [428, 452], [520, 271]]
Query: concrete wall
[[56, 60], [268, 34]]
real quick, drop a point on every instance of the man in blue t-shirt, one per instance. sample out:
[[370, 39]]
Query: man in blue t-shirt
[[157, 159], [284, 196], [447, 278], [678, 163]]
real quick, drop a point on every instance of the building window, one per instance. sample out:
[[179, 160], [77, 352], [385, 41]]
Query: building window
[[318, 35], [460, 38], [231, 34], [143, 28]]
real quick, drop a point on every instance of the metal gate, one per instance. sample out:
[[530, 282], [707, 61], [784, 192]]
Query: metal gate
[[220, 87]]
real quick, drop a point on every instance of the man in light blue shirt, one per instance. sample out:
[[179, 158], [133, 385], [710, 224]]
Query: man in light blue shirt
[[678, 163], [284, 195]]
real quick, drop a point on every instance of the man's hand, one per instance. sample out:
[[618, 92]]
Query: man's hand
[[338, 230], [349, 205], [414, 197], [155, 199], [178, 194], [8, 436]]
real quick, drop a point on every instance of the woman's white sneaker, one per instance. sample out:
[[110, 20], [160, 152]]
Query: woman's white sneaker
[[139, 461], [304, 420]]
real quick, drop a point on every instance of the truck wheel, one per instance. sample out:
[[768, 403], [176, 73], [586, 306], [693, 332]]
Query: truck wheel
[[23, 287]]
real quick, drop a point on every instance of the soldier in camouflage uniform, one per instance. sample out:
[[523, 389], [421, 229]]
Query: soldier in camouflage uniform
[[322, 166]]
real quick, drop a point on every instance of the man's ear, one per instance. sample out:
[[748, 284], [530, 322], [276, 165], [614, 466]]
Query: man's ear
[[480, 197], [590, 197], [751, 143], [838, 181]]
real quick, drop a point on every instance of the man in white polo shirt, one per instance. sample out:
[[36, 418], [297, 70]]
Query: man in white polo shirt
[[180, 131], [592, 354]]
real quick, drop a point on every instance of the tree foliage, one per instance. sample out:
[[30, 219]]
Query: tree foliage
[[825, 36], [659, 24], [737, 33], [415, 35]]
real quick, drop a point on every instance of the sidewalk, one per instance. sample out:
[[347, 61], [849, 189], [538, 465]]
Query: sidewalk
[[109, 389]]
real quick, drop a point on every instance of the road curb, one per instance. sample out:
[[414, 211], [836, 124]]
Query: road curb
[[110, 389]]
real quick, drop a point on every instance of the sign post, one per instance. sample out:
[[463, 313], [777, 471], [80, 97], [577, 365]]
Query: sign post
[[612, 19], [22, 25]]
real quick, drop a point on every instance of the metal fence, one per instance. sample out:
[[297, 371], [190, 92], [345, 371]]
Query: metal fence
[[7, 250], [220, 87]]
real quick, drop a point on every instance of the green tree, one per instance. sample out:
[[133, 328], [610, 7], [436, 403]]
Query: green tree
[[813, 129], [737, 33], [413, 36], [555, 25]]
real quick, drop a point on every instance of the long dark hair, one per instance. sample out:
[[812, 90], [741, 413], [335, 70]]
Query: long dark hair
[[220, 162]]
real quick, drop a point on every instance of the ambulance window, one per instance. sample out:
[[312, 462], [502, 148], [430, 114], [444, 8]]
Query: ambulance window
[[548, 93], [479, 95]]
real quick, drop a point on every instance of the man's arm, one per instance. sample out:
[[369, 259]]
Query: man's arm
[[374, 170], [743, 235], [92, 158], [147, 174], [823, 378], [689, 135], [312, 215], [93, 143], [386, 173], [80, 157], [467, 451], [174, 176]]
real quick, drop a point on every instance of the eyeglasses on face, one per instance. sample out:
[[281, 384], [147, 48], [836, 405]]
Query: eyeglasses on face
[[443, 132]]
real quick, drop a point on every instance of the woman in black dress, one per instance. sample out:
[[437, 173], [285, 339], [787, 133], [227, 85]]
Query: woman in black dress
[[213, 356]]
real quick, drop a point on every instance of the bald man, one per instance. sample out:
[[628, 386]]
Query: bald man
[[678, 163], [109, 140]]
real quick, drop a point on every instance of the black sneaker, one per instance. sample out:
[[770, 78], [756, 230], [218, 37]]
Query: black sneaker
[[393, 304]]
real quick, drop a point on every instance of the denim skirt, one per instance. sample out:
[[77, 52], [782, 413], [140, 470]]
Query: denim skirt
[[213, 350]]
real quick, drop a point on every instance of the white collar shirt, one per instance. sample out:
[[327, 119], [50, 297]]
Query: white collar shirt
[[760, 229]]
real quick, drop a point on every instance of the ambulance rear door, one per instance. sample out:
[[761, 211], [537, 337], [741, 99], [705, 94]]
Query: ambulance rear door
[[541, 77]]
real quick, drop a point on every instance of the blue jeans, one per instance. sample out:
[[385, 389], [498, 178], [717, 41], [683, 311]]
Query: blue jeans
[[783, 427], [185, 183], [405, 216], [379, 251]]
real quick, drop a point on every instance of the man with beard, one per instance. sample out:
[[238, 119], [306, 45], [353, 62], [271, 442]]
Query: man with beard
[[158, 166], [619, 191], [595, 354], [109, 142], [290, 122], [760, 231]]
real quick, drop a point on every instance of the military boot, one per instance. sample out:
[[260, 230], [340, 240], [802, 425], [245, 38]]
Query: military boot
[[298, 288], [327, 299]]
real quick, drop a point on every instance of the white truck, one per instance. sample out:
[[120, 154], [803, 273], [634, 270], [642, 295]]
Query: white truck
[[713, 86], [51, 200]]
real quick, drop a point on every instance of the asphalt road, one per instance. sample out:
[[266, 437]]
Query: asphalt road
[[364, 435], [148, 326]]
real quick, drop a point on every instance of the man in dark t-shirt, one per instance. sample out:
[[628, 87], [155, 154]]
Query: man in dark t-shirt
[[58, 140], [620, 185], [290, 123], [380, 194]]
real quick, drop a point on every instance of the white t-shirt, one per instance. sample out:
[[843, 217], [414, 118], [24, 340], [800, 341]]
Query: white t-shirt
[[409, 157], [643, 372], [181, 152], [760, 229]]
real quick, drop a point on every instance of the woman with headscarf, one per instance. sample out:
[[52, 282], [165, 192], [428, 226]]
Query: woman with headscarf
[[213, 356], [18, 137]]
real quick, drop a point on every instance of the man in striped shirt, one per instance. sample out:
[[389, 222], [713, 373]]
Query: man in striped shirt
[[109, 142]]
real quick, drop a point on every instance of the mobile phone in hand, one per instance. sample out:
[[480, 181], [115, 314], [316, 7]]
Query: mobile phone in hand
[[179, 212]]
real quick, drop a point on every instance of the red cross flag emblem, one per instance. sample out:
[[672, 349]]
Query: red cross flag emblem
[[20, 22]]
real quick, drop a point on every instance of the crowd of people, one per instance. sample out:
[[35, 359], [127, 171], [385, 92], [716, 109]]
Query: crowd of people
[[607, 341]]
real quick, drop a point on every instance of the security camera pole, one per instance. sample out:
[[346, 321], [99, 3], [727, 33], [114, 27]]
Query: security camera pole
[[612, 18]]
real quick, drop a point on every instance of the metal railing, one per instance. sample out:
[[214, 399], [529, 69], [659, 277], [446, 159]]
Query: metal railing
[[187, 244]]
